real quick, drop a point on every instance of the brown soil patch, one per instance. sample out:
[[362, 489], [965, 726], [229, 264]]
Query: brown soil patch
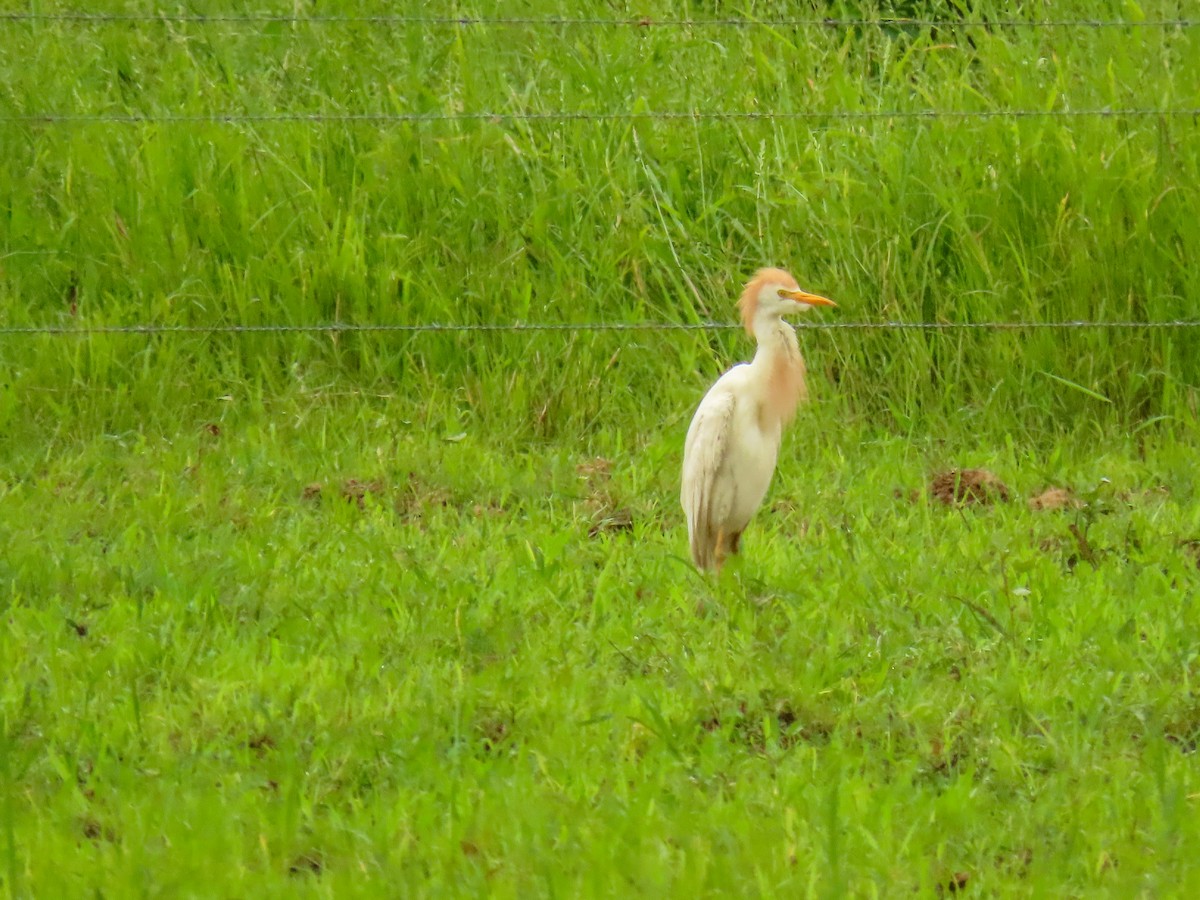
[[594, 469], [357, 491], [416, 496], [410, 499], [792, 727], [260, 744], [1055, 498], [607, 515], [610, 519], [493, 732], [1150, 495], [1192, 548], [958, 487], [955, 883], [94, 830], [311, 862]]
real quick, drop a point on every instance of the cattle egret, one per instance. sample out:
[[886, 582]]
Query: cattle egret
[[733, 441]]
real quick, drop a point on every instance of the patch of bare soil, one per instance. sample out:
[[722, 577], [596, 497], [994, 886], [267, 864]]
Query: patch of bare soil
[[308, 863], [1192, 548], [410, 499], [356, 491], [1054, 498], [954, 883], [1143, 497], [95, 830], [607, 516], [746, 723], [597, 469], [416, 496], [962, 487], [353, 491]]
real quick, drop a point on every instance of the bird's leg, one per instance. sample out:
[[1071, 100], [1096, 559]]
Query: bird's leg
[[735, 543], [719, 552]]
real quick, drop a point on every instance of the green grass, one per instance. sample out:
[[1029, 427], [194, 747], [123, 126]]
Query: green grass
[[458, 687], [361, 614]]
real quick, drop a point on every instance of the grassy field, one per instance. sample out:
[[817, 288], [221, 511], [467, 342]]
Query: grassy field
[[411, 613]]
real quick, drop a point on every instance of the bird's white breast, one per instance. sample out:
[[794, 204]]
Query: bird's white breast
[[753, 452], [750, 453]]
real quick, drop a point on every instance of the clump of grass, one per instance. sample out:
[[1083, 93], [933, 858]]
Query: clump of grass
[[293, 222]]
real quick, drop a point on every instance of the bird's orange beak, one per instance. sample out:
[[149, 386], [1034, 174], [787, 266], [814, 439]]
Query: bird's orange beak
[[811, 299]]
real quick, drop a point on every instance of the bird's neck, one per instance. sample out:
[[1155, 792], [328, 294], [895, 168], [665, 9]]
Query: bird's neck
[[779, 368]]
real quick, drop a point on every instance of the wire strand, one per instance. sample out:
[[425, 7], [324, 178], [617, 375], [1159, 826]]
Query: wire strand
[[516, 327], [219, 118], [578, 22]]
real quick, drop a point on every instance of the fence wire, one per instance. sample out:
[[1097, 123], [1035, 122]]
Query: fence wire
[[218, 118], [581, 327], [402, 21]]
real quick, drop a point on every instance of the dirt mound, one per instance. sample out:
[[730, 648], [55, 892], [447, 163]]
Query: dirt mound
[[958, 487]]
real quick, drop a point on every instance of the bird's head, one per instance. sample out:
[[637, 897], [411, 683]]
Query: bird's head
[[774, 293]]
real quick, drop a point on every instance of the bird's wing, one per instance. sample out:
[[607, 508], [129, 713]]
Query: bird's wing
[[704, 502]]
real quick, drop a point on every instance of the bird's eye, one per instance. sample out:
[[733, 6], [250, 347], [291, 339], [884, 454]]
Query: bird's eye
[[782, 293]]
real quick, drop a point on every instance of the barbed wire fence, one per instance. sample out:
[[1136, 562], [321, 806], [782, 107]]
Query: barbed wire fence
[[84, 330], [564, 116], [217, 118], [443, 21]]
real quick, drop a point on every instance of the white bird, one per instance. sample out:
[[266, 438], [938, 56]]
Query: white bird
[[733, 442]]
